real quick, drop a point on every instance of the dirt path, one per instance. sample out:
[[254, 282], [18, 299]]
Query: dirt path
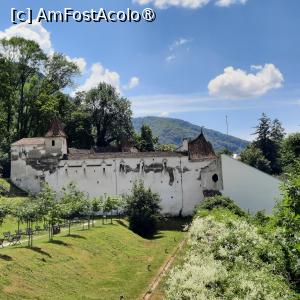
[[161, 272]]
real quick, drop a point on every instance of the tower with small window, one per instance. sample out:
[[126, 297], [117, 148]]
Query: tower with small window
[[56, 139]]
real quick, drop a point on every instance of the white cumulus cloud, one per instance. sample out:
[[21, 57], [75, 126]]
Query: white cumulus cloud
[[225, 3], [170, 58], [38, 33], [98, 73], [237, 83], [79, 61], [193, 4], [133, 82], [35, 32]]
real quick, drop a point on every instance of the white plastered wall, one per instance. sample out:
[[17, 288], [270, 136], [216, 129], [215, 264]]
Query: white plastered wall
[[179, 192], [252, 189]]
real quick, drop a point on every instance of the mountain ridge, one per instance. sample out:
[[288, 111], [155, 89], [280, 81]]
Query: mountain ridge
[[172, 131]]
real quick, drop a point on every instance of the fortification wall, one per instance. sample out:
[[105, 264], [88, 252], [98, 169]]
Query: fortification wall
[[179, 182]]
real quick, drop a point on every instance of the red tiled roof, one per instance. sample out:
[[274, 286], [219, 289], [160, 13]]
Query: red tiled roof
[[29, 141]]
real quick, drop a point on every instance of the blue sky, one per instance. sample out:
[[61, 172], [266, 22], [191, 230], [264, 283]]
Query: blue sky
[[199, 61]]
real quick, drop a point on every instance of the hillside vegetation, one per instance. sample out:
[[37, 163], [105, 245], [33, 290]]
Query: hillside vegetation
[[232, 255], [104, 262], [172, 131]]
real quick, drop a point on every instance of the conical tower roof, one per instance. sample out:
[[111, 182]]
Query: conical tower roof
[[56, 129]]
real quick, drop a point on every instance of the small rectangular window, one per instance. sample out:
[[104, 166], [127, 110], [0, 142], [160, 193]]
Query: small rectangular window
[[53, 143]]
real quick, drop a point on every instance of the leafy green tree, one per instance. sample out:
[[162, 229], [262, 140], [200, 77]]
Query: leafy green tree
[[287, 215], [97, 204], [27, 58], [110, 114], [142, 210], [31, 91], [86, 209], [72, 203], [29, 213], [166, 147], [254, 157], [48, 208], [111, 204], [4, 211], [79, 130], [290, 152]]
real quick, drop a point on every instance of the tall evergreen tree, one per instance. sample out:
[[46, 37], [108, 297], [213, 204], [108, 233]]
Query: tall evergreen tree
[[269, 137], [147, 141]]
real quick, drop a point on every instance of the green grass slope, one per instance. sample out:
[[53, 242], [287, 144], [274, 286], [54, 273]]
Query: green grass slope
[[172, 131], [104, 262]]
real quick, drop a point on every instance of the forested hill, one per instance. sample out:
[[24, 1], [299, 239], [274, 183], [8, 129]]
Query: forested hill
[[171, 131]]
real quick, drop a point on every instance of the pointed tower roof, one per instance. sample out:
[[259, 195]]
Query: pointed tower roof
[[200, 148], [56, 129]]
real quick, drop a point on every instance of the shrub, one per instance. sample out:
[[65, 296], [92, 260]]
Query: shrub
[[221, 202], [261, 218], [142, 210], [229, 260]]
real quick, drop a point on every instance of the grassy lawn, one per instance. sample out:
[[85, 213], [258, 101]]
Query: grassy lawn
[[10, 223], [101, 263]]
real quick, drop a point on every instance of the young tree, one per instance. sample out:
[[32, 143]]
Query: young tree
[[4, 211], [48, 207], [86, 209], [72, 203], [142, 210], [111, 204], [97, 204], [29, 212]]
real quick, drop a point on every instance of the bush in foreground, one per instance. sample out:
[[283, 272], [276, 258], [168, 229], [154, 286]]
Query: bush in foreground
[[142, 210], [229, 259], [211, 203]]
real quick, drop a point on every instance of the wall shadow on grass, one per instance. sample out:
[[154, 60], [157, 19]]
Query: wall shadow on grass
[[173, 224]]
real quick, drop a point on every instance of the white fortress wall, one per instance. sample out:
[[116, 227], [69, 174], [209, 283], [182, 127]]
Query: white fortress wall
[[180, 179], [175, 179], [22, 174], [252, 189]]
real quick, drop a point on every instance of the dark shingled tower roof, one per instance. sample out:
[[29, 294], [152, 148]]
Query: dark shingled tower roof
[[56, 129], [200, 148]]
